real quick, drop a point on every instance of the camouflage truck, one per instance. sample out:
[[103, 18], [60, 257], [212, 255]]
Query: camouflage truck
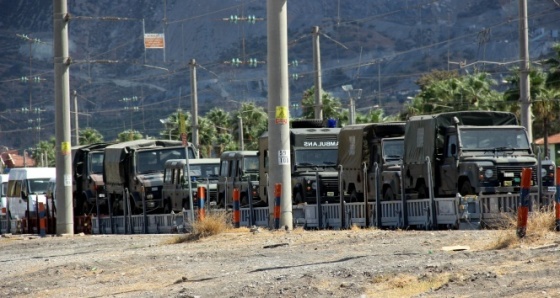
[[237, 169], [470, 152], [313, 151], [202, 172], [367, 144], [87, 169], [136, 168]]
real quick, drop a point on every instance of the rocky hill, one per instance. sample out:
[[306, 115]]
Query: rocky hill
[[379, 46]]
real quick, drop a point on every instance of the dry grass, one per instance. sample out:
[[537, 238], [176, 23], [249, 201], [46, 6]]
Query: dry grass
[[406, 285], [213, 224], [540, 225]]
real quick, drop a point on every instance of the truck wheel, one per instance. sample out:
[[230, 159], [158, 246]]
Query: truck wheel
[[353, 196], [298, 199], [422, 191], [466, 189], [388, 195], [167, 206]]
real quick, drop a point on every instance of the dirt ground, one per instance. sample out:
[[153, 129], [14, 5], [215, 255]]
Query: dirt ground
[[263, 263]]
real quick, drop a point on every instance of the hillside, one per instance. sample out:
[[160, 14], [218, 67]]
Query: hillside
[[381, 47]]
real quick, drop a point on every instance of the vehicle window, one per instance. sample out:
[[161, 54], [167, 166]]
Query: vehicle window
[[96, 163], [452, 142], [14, 188], [224, 168], [251, 164], [167, 176], [39, 185]]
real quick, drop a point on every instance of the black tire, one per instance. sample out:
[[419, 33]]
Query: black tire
[[244, 200], [353, 196], [298, 199], [388, 194], [167, 206], [466, 189], [423, 191]]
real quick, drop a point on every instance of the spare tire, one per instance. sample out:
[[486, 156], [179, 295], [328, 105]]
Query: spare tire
[[307, 123]]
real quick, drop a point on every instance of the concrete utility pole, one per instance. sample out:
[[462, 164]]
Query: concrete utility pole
[[278, 109], [524, 85], [194, 106], [76, 135], [64, 218], [318, 110]]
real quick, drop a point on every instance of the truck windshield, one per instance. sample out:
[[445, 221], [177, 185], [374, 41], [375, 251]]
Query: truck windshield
[[251, 164], [393, 149], [96, 165], [497, 138], [150, 161], [204, 171], [38, 185], [316, 157]]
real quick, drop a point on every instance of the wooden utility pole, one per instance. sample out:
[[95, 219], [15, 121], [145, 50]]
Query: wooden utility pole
[[318, 108], [524, 84], [194, 106]]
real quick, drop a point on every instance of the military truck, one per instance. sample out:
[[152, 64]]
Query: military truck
[[367, 144], [313, 151], [237, 169], [136, 168], [202, 172], [87, 170], [470, 152]]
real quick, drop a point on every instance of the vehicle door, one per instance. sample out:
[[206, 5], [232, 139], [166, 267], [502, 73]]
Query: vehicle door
[[448, 168]]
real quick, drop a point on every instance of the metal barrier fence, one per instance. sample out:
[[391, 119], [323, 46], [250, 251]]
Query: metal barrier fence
[[450, 212]]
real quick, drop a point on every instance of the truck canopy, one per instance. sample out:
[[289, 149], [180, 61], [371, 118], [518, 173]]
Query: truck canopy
[[425, 133], [354, 138], [115, 154]]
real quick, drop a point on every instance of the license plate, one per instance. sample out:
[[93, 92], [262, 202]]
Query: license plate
[[330, 193], [154, 188], [508, 183], [101, 195], [507, 174], [552, 189]]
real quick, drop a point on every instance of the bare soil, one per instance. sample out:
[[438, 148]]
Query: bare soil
[[263, 263]]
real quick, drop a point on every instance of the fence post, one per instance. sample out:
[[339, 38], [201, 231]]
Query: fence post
[[42, 220], [341, 196], [367, 211], [557, 201], [524, 201], [201, 200], [319, 201], [236, 208], [431, 194], [378, 212], [250, 199], [277, 196]]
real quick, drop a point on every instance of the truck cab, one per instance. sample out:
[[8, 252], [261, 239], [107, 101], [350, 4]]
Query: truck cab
[[470, 152], [87, 170], [202, 172], [237, 169], [365, 145], [313, 153]]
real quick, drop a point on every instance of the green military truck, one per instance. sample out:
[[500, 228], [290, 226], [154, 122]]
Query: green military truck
[[238, 169], [364, 145], [469, 152], [87, 172], [136, 168]]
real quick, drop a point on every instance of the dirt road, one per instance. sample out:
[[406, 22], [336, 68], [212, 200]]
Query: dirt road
[[350, 263]]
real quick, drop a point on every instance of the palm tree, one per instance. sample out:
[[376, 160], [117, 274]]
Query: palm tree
[[90, 136], [46, 149], [547, 107], [129, 135], [255, 123], [206, 135], [553, 63], [331, 105]]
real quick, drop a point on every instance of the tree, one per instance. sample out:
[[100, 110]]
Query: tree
[[129, 135], [206, 135], [546, 106], [45, 151], [221, 121], [255, 123], [90, 136], [553, 63], [331, 105]]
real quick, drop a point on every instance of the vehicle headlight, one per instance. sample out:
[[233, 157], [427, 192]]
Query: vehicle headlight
[[488, 173], [149, 196], [543, 172], [314, 185]]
